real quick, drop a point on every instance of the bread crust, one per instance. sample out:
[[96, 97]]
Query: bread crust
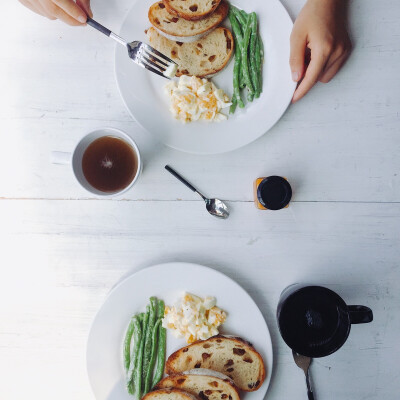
[[178, 376], [188, 396], [170, 370], [190, 17], [222, 10]]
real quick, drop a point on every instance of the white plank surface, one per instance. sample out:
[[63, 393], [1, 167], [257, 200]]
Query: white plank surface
[[61, 252]]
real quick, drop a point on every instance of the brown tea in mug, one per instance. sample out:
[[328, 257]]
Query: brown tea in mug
[[109, 164]]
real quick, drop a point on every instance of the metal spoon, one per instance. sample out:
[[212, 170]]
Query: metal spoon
[[215, 207], [304, 363]]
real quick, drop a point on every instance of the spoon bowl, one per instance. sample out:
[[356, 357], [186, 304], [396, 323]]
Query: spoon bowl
[[217, 208]]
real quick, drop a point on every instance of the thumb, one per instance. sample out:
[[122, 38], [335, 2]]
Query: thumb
[[85, 5], [297, 50]]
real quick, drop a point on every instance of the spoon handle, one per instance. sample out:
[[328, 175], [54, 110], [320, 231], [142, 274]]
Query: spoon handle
[[183, 180]]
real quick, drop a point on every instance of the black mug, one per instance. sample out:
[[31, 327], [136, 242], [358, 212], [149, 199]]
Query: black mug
[[315, 321]]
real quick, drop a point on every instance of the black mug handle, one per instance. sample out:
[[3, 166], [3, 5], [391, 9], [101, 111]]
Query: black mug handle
[[360, 314]]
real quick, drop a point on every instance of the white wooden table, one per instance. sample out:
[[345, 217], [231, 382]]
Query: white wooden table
[[62, 251]]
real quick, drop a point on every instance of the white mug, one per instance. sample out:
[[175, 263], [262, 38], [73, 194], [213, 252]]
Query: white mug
[[75, 159]]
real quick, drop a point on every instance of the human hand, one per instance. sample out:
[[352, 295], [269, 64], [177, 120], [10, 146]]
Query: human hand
[[66, 10], [320, 27]]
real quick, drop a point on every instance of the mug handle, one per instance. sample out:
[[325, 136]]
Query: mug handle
[[60, 157], [360, 314]]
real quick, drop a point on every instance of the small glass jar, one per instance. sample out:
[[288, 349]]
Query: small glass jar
[[272, 193]]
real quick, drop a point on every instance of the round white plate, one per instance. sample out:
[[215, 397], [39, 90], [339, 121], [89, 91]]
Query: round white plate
[[168, 282], [143, 91]]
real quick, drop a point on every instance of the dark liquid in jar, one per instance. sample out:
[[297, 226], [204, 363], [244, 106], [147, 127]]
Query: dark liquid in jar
[[308, 321], [109, 164]]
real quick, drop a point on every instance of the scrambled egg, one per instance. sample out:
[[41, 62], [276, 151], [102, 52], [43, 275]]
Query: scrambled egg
[[194, 318], [194, 99]]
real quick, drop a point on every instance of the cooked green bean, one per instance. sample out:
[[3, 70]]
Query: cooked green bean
[[252, 54], [245, 58], [147, 343], [137, 338], [161, 351], [149, 374], [137, 377], [243, 41], [127, 344], [258, 66], [236, 99], [241, 15], [160, 309]]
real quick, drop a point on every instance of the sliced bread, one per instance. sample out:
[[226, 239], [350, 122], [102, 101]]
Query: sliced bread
[[231, 356], [191, 10], [169, 394], [205, 384], [202, 58], [175, 28]]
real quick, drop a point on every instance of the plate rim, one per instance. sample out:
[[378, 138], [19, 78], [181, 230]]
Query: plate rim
[[270, 365]]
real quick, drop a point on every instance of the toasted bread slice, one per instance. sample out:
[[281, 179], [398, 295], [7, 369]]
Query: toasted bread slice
[[202, 58], [192, 10], [169, 394], [230, 355], [206, 384], [175, 28]]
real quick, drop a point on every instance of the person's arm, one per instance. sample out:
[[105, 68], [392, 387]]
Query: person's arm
[[320, 27], [66, 10]]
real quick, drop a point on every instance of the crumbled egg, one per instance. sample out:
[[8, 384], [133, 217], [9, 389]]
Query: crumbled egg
[[194, 318], [194, 99]]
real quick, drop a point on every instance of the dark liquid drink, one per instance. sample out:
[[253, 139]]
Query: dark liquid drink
[[109, 164]]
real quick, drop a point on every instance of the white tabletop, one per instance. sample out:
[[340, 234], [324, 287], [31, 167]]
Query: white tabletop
[[62, 251]]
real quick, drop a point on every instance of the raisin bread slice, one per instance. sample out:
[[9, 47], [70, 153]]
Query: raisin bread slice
[[191, 10], [202, 58], [229, 355], [175, 28], [169, 394], [206, 384]]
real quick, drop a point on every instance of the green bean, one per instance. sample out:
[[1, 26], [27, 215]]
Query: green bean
[[252, 55], [160, 309], [236, 99], [241, 15], [137, 377], [258, 66], [243, 41], [127, 344], [147, 343], [162, 348], [137, 337], [237, 30], [149, 374]]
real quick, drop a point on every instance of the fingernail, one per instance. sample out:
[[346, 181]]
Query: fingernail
[[82, 19], [295, 76]]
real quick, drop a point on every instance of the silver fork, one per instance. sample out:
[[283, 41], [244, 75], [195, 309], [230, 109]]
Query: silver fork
[[141, 53], [304, 363]]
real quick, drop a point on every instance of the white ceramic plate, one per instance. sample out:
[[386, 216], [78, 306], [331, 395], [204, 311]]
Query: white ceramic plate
[[168, 282], [144, 96]]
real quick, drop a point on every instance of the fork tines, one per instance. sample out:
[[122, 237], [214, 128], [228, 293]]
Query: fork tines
[[151, 59]]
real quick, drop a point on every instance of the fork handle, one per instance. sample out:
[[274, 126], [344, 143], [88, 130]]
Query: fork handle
[[310, 393], [99, 27]]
